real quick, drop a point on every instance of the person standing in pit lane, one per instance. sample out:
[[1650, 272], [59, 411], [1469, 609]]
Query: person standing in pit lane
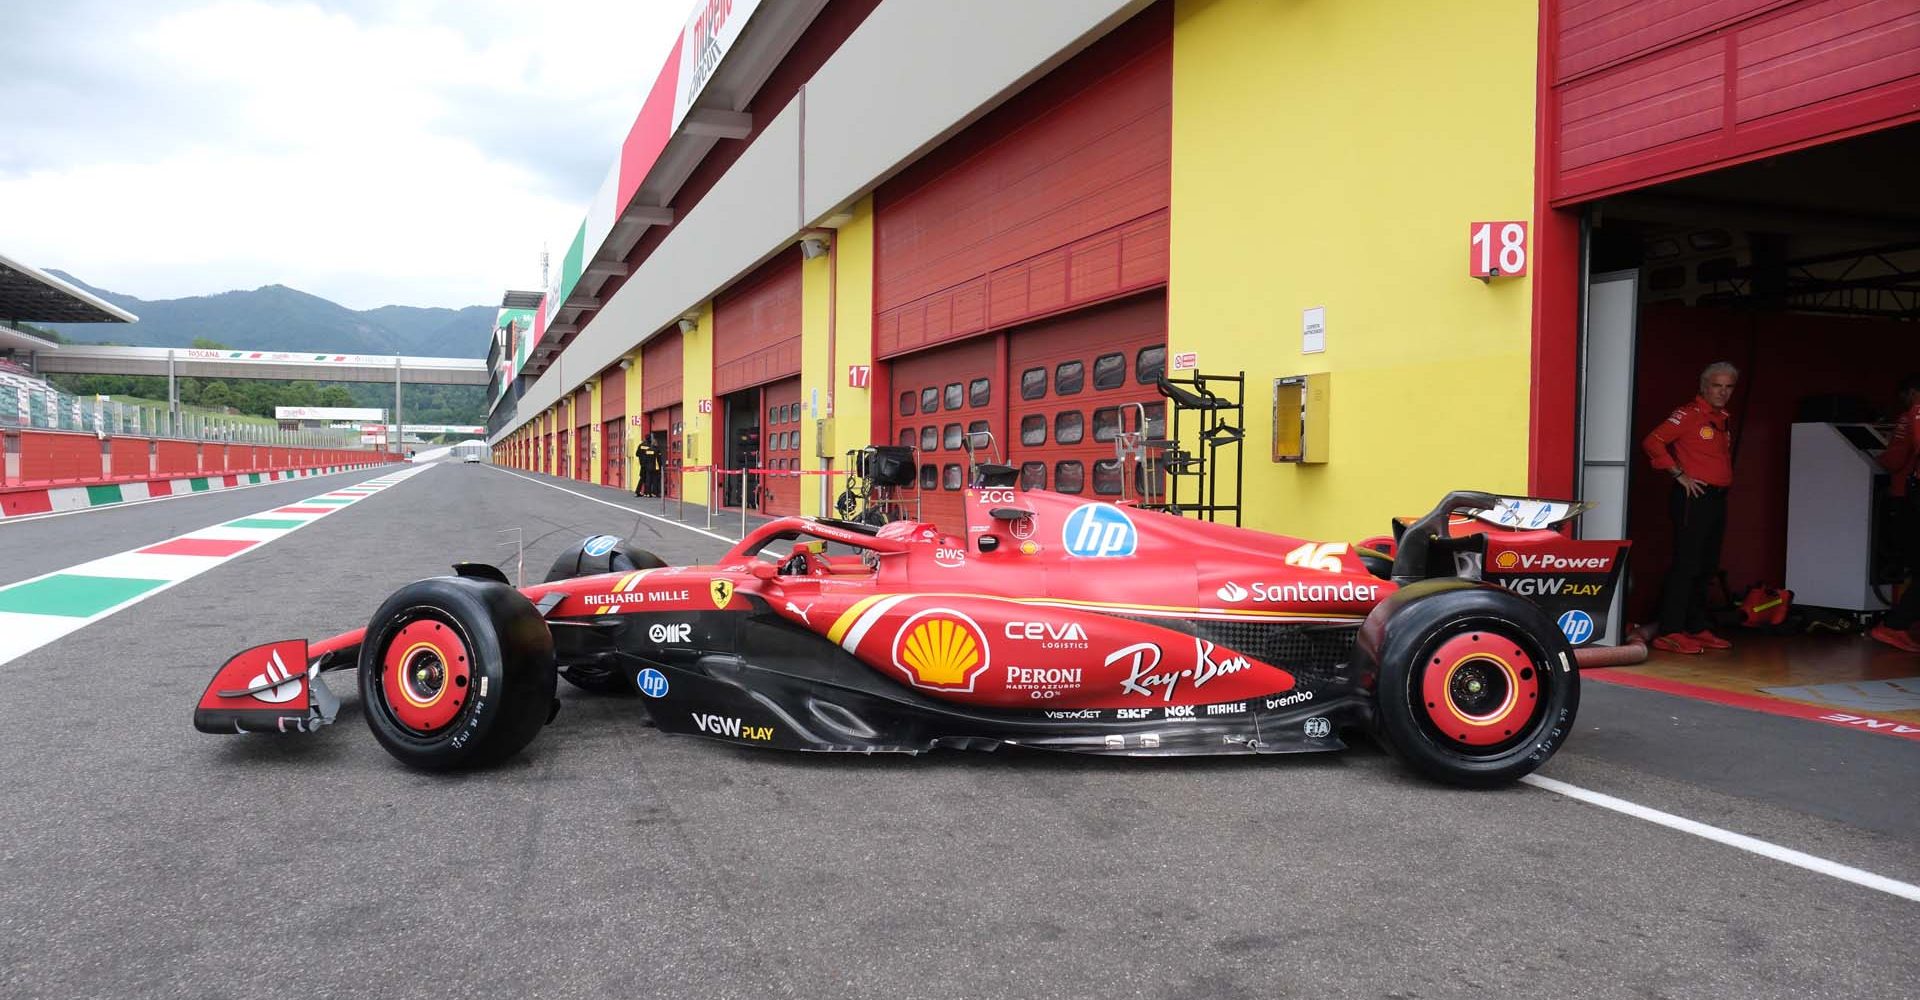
[[1901, 459], [1695, 447]]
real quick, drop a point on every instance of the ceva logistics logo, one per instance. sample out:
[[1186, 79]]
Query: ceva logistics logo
[[1099, 531]]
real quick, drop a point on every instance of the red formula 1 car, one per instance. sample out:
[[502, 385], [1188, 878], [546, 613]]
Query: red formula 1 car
[[1054, 622]]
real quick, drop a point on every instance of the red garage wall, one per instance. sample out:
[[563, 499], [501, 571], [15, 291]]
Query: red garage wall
[[660, 371], [756, 326], [1782, 359], [1647, 91], [1055, 200]]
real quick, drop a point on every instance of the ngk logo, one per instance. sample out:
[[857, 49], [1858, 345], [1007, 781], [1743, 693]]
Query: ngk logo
[[1548, 562]]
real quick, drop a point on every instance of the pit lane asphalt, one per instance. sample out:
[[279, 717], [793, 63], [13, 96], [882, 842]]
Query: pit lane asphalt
[[141, 858]]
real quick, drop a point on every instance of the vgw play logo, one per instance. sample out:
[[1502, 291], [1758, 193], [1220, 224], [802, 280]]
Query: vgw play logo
[[1099, 531]]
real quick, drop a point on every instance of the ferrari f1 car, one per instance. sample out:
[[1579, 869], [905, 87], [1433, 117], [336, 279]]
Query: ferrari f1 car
[[1052, 622]]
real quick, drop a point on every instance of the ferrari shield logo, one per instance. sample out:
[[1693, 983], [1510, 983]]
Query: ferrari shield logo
[[722, 591]]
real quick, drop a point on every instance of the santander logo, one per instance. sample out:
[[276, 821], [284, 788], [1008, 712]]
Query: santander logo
[[1231, 592], [287, 687]]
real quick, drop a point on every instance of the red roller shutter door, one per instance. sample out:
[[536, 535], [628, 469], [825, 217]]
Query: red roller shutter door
[[613, 422], [1644, 92], [938, 396], [583, 434], [1056, 200], [1075, 382], [780, 448], [756, 327], [661, 364]]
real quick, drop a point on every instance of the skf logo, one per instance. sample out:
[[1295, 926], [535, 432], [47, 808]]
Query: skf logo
[[1507, 560], [941, 649], [722, 591]]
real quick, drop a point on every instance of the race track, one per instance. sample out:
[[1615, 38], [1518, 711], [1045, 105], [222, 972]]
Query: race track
[[142, 858]]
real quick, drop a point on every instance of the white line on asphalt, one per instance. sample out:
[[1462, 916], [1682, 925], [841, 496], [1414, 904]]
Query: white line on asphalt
[[228, 491], [1834, 869], [615, 506]]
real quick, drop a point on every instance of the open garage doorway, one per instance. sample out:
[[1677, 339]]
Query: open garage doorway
[[1803, 270]]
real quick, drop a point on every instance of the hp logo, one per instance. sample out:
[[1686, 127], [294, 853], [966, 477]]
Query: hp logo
[[600, 545], [1098, 531], [652, 683], [1577, 625]]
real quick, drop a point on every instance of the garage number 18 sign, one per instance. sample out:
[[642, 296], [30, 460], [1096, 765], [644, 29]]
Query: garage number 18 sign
[[1497, 249]]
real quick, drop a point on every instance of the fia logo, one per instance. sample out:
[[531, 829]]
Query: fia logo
[[1317, 728], [1099, 531], [1577, 625]]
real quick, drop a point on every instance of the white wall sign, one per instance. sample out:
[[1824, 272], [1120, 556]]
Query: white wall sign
[[1313, 330]]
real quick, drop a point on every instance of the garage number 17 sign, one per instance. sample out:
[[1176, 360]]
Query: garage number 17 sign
[[1497, 249]]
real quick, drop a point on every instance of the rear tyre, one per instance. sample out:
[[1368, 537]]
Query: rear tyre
[[456, 672], [1476, 686]]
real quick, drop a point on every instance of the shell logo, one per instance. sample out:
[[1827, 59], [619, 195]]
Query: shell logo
[[1706, 432], [1506, 560], [941, 649]]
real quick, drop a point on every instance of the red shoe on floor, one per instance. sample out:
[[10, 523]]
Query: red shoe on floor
[[1678, 642], [1894, 637], [1707, 640]]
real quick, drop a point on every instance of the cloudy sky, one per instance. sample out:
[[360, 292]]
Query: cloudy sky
[[374, 152]]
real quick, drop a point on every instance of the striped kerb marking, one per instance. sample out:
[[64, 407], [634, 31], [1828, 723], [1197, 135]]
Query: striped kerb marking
[[38, 611]]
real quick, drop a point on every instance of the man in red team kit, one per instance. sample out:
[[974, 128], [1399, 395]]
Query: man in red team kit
[[1695, 447], [1901, 459]]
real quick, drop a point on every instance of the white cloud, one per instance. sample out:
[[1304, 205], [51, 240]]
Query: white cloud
[[410, 152]]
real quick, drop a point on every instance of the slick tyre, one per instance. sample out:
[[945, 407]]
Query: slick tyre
[[456, 672], [1476, 686]]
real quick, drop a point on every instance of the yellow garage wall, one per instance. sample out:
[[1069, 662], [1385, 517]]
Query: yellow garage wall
[[696, 374], [636, 407], [1331, 153], [851, 303], [592, 473]]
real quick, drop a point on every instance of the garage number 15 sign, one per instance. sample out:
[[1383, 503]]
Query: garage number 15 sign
[[1498, 249]]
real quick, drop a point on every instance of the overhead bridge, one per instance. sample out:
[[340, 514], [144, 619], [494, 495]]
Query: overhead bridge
[[95, 359]]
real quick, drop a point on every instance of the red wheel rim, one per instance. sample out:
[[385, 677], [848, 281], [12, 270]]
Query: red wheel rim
[[1479, 688], [425, 674]]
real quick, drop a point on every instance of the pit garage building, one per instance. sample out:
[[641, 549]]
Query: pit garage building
[[1506, 235]]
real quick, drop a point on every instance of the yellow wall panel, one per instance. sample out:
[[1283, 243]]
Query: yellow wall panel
[[1331, 153]]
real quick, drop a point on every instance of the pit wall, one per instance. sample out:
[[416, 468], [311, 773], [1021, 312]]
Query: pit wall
[[1332, 154]]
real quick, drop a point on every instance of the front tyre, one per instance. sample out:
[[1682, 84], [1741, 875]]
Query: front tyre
[[1475, 685], [456, 672]]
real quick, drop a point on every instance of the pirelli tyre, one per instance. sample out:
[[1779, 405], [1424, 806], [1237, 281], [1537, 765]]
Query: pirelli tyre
[[591, 557], [1475, 685], [456, 672]]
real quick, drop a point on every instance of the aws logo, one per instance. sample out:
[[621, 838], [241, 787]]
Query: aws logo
[[941, 649]]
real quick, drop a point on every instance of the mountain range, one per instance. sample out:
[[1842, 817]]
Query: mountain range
[[278, 318]]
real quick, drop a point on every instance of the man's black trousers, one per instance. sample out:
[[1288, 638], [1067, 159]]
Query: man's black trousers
[[1698, 525]]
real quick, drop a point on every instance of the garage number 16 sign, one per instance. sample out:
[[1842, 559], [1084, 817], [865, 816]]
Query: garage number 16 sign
[[1498, 249]]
